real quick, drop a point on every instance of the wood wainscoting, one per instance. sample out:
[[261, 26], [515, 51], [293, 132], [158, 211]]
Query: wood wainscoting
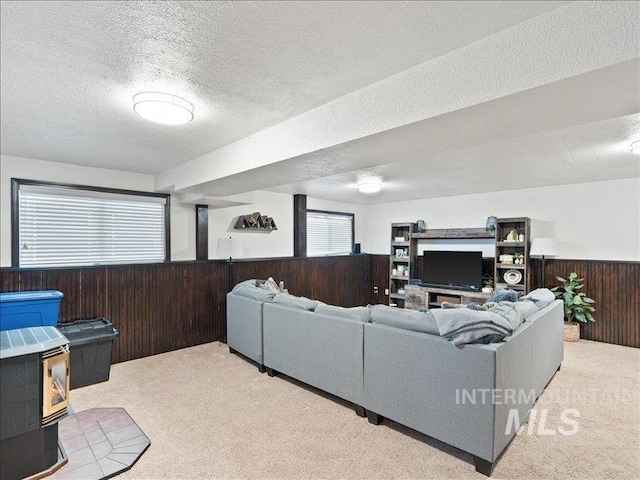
[[615, 286], [156, 307], [162, 307]]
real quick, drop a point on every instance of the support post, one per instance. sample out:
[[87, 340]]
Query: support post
[[299, 225], [202, 232]]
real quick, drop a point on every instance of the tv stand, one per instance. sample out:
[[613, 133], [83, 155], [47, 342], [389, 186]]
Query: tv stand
[[418, 297]]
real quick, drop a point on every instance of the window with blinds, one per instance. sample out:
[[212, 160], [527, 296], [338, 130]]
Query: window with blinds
[[66, 226], [329, 233]]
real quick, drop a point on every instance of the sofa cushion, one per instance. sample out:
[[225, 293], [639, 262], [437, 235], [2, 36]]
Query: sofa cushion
[[362, 314], [405, 319], [295, 302], [540, 296], [254, 292], [252, 282]]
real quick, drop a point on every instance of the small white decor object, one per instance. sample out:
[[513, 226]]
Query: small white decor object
[[512, 277], [398, 239], [401, 291]]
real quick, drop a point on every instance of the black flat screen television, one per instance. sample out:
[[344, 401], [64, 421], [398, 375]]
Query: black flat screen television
[[456, 270]]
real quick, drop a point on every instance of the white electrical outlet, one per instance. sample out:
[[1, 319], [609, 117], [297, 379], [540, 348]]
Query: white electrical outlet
[[386, 291]]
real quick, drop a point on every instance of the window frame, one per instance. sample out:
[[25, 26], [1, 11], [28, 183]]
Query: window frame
[[16, 183], [331, 212]]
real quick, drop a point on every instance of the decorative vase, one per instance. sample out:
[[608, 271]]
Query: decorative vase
[[571, 332], [491, 223], [422, 226]]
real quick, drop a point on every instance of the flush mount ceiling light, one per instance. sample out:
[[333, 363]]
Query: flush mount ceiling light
[[370, 186], [635, 147], [163, 108]]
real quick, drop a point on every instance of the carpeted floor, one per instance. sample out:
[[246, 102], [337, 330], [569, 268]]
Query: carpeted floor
[[210, 414]]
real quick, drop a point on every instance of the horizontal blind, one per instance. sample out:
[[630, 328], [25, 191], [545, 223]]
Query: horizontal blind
[[65, 228], [329, 234]]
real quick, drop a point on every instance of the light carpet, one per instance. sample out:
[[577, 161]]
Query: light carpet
[[210, 414]]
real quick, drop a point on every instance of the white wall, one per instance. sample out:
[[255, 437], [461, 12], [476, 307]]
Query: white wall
[[279, 206], [591, 221], [182, 216], [276, 243], [599, 221]]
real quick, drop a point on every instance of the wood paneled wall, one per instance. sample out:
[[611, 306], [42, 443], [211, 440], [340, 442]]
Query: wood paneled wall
[[156, 308], [162, 307], [340, 280], [615, 286]]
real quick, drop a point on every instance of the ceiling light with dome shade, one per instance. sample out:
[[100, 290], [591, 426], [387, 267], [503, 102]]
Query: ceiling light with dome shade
[[163, 108], [635, 147], [369, 186]]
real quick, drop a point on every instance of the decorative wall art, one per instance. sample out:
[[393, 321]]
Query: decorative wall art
[[255, 221]]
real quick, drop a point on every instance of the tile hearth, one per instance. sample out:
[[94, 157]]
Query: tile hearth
[[100, 443]]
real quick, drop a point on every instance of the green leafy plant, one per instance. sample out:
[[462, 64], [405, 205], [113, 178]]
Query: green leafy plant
[[577, 306]]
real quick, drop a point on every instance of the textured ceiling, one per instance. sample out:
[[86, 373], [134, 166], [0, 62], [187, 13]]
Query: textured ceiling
[[437, 98]]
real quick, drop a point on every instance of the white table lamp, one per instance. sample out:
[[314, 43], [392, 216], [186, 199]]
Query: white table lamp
[[229, 247]]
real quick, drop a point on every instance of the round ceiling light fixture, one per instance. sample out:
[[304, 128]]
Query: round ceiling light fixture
[[370, 186], [635, 147], [163, 108]]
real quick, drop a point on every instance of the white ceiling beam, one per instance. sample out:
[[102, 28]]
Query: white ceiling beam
[[569, 41]]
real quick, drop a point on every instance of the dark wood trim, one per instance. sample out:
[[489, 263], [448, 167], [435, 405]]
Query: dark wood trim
[[72, 186], [202, 232], [167, 229], [454, 233], [16, 183], [15, 224], [299, 225]]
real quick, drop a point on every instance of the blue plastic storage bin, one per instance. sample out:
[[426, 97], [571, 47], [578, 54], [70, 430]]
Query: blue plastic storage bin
[[29, 309]]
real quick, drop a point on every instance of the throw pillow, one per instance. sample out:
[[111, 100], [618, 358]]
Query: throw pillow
[[270, 285], [540, 296], [254, 292]]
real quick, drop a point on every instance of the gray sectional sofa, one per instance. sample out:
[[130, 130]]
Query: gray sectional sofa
[[474, 397]]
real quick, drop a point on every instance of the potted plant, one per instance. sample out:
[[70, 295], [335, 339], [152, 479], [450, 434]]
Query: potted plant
[[487, 284], [578, 308]]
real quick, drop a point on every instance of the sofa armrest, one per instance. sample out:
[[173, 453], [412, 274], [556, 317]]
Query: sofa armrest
[[244, 326], [425, 382], [525, 364]]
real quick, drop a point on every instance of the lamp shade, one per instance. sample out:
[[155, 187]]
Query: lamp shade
[[544, 247], [229, 247]]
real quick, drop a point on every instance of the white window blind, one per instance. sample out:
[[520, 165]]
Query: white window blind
[[329, 233], [63, 227]]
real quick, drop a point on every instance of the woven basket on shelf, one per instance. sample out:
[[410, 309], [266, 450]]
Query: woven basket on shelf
[[571, 332]]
